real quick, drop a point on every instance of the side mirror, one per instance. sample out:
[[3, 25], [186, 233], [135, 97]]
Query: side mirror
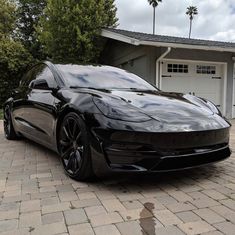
[[14, 92], [40, 84]]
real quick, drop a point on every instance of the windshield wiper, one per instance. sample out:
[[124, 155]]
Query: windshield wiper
[[108, 90], [90, 88], [142, 90], [134, 89], [77, 87]]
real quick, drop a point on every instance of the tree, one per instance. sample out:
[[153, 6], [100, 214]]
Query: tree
[[110, 13], [69, 30], [14, 60], [7, 17], [191, 12], [154, 4], [13, 57], [28, 14]]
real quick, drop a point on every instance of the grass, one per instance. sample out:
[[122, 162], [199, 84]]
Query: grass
[[1, 114]]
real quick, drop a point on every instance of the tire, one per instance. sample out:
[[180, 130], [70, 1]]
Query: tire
[[9, 131], [74, 148]]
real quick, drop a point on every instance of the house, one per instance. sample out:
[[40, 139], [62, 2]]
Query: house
[[199, 67]]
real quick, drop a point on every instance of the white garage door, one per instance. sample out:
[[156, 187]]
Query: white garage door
[[233, 92], [198, 78]]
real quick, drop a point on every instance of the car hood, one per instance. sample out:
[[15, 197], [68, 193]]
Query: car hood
[[157, 104], [175, 111], [163, 106]]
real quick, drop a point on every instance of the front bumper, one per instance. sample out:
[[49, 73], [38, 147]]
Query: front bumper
[[156, 152], [169, 163]]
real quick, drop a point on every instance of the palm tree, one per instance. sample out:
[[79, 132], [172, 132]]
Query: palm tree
[[154, 4], [191, 11]]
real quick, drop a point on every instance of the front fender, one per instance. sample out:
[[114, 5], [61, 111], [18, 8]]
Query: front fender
[[8, 101]]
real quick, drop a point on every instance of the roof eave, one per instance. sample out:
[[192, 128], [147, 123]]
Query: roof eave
[[136, 42], [119, 37], [187, 46]]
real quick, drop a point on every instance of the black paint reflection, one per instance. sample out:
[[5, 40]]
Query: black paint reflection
[[132, 126]]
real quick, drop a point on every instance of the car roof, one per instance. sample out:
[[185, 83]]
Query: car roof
[[82, 67]]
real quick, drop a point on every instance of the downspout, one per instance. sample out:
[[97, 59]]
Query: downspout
[[158, 75], [233, 112]]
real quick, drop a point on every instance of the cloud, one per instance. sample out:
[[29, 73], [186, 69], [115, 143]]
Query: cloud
[[224, 36], [215, 21]]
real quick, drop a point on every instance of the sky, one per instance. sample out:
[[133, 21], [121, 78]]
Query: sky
[[215, 21]]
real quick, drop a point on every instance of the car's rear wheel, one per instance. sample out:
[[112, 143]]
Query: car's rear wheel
[[74, 147], [9, 131]]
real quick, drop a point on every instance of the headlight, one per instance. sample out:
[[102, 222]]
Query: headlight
[[119, 110]]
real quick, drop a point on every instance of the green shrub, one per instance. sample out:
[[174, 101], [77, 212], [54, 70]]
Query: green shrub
[[14, 60]]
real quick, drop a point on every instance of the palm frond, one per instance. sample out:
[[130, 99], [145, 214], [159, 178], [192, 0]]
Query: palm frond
[[192, 10], [154, 3]]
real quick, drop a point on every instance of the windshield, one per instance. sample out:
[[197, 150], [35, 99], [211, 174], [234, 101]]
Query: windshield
[[102, 77]]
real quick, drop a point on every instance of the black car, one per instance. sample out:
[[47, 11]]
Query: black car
[[104, 118]]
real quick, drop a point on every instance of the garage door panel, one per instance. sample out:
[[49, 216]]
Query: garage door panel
[[233, 114], [203, 85], [201, 79], [172, 84]]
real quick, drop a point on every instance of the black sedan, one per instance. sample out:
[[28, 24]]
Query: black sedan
[[104, 118]]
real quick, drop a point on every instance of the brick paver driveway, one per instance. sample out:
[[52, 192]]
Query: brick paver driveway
[[37, 198]]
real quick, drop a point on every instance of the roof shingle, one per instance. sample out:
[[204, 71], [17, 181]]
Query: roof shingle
[[170, 39]]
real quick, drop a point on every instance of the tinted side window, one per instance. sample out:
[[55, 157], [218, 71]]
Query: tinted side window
[[45, 73], [40, 71], [29, 77]]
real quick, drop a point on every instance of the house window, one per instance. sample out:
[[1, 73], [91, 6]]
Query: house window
[[203, 69], [177, 68]]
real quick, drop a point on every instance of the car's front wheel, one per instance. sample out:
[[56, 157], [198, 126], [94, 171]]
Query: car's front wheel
[[9, 131], [74, 147]]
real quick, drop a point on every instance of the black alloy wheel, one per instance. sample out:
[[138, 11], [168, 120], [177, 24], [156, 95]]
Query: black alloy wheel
[[8, 126], [74, 147]]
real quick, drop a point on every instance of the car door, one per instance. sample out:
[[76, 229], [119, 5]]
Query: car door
[[19, 96], [40, 109]]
